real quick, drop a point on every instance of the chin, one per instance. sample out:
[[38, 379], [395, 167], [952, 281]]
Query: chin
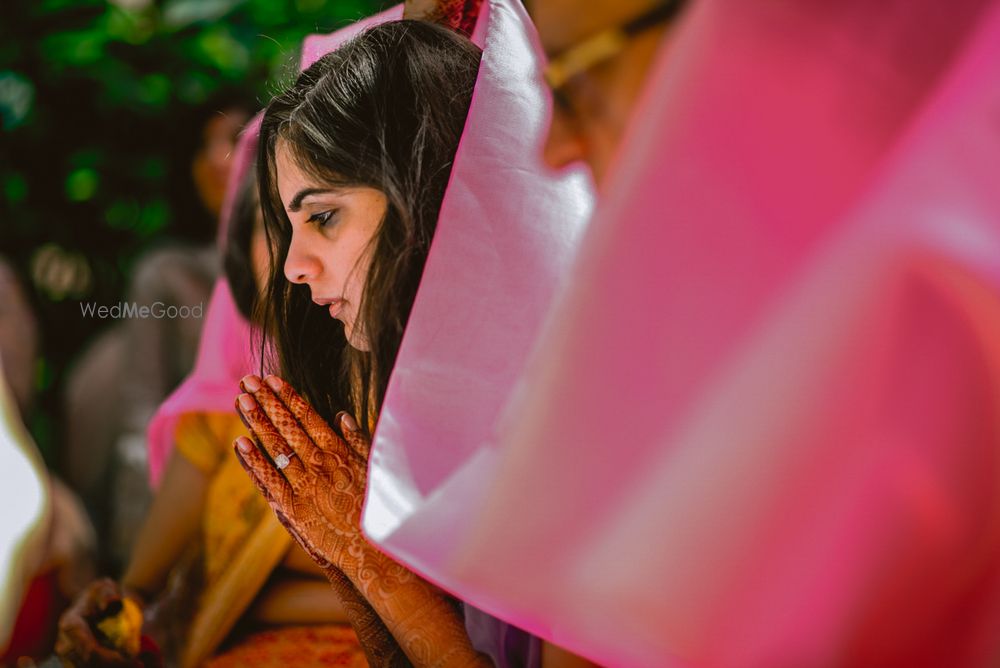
[[356, 340]]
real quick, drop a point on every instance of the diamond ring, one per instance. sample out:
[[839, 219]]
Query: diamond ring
[[282, 460]]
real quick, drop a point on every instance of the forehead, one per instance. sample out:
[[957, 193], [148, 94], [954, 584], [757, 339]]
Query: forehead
[[562, 23], [287, 165]]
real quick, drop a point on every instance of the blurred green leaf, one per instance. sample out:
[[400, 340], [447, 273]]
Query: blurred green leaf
[[15, 188], [153, 218], [74, 49], [132, 26], [154, 90], [218, 47], [181, 13], [122, 214], [81, 184]]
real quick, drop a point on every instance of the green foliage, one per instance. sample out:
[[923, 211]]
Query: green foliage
[[98, 105]]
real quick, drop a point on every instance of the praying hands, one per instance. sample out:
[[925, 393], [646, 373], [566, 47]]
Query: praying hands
[[315, 481]]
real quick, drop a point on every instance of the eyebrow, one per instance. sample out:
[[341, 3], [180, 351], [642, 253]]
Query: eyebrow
[[296, 202]]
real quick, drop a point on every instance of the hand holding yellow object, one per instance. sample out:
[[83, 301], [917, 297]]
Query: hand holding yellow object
[[103, 627], [123, 630]]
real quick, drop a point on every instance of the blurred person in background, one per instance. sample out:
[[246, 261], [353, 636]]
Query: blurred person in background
[[57, 571], [217, 580], [122, 377], [601, 55]]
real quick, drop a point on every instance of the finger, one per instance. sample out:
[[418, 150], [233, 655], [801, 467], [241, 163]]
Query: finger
[[75, 637], [269, 482], [354, 436], [78, 643], [252, 460], [312, 422], [107, 597], [276, 405], [285, 458]]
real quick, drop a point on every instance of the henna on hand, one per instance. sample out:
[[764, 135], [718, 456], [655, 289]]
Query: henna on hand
[[381, 649], [318, 496]]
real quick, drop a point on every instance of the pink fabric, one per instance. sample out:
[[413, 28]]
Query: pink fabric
[[225, 352], [762, 426], [316, 46], [506, 234]]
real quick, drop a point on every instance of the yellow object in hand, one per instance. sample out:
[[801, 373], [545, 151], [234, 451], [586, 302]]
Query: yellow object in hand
[[124, 630]]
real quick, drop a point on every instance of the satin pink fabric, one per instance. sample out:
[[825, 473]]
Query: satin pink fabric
[[316, 46], [508, 229], [226, 349], [762, 428]]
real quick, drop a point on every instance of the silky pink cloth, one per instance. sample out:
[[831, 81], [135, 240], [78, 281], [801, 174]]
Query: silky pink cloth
[[225, 351], [507, 232], [762, 427], [316, 46]]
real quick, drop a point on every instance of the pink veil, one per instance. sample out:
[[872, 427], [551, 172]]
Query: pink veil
[[225, 351], [508, 230]]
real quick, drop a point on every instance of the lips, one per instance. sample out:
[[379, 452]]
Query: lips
[[335, 305]]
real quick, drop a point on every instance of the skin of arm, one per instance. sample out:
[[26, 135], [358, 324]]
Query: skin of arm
[[172, 523], [297, 600]]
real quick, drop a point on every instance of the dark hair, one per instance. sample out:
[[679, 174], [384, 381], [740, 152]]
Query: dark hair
[[237, 258], [386, 111]]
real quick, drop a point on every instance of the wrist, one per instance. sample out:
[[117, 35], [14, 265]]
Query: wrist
[[135, 594]]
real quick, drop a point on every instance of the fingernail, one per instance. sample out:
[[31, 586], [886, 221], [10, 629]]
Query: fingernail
[[244, 444], [273, 382], [250, 383], [348, 422], [246, 402]]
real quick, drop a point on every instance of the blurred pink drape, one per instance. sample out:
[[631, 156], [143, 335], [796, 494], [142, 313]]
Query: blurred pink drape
[[761, 427]]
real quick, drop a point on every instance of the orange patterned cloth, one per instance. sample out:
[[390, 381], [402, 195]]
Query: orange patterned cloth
[[300, 646]]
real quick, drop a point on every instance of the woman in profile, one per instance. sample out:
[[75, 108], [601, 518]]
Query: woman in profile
[[353, 165]]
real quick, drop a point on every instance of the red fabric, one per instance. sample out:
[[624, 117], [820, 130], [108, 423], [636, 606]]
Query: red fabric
[[35, 629]]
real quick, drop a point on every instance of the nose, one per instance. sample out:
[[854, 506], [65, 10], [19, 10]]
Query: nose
[[563, 145], [301, 266]]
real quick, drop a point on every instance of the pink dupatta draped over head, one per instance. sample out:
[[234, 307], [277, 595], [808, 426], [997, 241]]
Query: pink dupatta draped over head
[[508, 230], [225, 351], [776, 441]]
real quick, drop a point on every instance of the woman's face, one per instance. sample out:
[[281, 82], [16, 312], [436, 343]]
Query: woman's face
[[332, 234]]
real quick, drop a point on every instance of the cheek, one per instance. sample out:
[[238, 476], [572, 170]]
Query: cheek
[[360, 263]]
